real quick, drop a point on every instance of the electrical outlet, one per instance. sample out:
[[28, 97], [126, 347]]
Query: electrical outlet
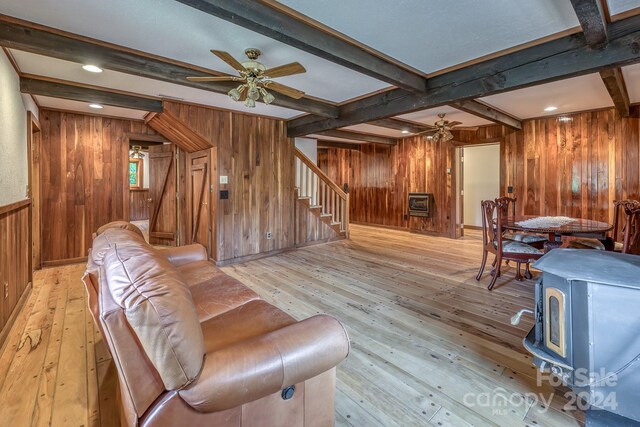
[[268, 235], [6, 290]]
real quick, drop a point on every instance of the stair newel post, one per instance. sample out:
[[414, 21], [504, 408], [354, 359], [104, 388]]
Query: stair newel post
[[346, 215]]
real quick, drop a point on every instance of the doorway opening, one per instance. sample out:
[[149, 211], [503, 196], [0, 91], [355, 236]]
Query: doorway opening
[[480, 181]]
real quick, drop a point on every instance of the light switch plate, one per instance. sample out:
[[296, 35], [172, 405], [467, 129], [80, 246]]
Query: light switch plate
[[224, 179]]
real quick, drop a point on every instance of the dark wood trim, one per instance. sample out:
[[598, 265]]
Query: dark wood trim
[[359, 136], [487, 112], [559, 59], [15, 206], [323, 143], [75, 92], [285, 28], [34, 38], [592, 20], [614, 82], [401, 124]]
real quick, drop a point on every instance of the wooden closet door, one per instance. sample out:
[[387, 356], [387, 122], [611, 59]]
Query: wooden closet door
[[200, 209], [162, 195]]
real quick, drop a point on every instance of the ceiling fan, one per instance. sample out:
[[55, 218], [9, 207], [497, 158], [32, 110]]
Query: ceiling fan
[[441, 131], [255, 78]]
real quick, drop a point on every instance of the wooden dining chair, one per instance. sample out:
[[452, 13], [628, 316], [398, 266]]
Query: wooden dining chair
[[621, 210], [509, 210], [502, 249], [631, 241]]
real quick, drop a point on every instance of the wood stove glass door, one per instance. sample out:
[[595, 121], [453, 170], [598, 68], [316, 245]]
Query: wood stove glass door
[[554, 317]]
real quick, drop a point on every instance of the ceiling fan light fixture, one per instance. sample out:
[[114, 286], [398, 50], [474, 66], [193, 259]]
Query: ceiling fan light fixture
[[253, 93], [267, 97], [251, 103], [235, 93]]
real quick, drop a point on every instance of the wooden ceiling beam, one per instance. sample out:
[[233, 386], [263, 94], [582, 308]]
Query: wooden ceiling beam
[[486, 112], [399, 124], [359, 136], [559, 59], [614, 82], [592, 19], [278, 25], [41, 40], [76, 92]]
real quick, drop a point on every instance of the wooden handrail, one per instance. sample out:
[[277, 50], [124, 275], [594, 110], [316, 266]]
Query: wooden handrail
[[315, 169]]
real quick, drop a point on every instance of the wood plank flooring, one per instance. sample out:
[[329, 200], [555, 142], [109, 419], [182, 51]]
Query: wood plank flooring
[[430, 345]]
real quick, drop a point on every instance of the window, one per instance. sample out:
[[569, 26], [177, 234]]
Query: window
[[135, 173]]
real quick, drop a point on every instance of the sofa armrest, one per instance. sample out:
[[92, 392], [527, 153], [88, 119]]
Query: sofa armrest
[[263, 365], [181, 255]]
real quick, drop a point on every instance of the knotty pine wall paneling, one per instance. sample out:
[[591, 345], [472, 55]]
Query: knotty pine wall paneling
[[84, 179], [256, 155]]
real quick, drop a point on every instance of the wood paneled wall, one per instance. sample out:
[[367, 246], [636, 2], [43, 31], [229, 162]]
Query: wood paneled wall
[[380, 179], [574, 165], [15, 260], [256, 155], [138, 204], [84, 179]]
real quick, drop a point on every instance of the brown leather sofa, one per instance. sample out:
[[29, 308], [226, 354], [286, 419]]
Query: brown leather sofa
[[193, 346]]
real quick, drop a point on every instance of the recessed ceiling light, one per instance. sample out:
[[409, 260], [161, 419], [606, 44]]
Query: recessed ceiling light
[[405, 131], [551, 108], [96, 106], [92, 68]]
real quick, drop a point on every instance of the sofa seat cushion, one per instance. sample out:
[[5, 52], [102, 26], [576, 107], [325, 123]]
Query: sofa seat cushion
[[197, 272], [249, 320], [218, 295], [160, 310]]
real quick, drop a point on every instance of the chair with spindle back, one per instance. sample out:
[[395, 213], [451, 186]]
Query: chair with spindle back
[[504, 250], [621, 209]]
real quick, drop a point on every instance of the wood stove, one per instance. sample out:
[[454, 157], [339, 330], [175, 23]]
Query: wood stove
[[421, 204], [587, 330]]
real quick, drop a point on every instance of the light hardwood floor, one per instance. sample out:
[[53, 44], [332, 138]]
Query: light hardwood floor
[[430, 345]]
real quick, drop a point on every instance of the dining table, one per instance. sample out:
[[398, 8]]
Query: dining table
[[577, 227]]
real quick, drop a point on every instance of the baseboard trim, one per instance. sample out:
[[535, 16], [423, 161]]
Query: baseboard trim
[[14, 315], [67, 261], [252, 257], [472, 227]]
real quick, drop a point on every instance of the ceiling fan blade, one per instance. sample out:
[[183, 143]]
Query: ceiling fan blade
[[212, 79], [226, 57], [452, 124], [284, 70], [286, 90]]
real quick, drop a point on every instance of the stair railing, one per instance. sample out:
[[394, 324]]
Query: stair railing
[[321, 191]]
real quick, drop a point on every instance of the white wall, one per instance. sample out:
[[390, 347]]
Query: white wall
[[13, 136], [309, 148], [145, 170], [481, 180]]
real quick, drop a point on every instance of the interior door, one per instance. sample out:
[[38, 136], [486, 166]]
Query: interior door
[[200, 210], [162, 195]]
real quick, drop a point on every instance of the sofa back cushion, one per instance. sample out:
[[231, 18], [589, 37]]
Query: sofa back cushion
[[159, 309], [108, 238]]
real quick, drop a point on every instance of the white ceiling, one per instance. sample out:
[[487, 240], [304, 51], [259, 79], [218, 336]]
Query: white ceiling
[[431, 116], [435, 41], [83, 107], [570, 95], [50, 67], [631, 76], [431, 35], [620, 6], [173, 30]]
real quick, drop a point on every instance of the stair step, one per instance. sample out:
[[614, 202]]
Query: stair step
[[315, 207], [304, 197]]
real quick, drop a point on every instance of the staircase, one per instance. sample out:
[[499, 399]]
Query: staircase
[[323, 197]]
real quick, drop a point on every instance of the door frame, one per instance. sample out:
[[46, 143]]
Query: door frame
[[34, 140], [212, 154]]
